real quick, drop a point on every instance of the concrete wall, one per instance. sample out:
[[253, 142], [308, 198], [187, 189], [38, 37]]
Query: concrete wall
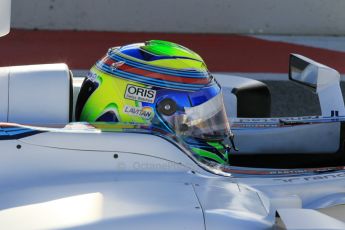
[[314, 17]]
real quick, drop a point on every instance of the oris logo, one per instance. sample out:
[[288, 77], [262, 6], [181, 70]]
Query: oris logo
[[138, 93]]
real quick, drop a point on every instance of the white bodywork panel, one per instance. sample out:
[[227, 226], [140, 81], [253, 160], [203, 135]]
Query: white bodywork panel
[[311, 219], [56, 187], [4, 77], [228, 83], [150, 185], [331, 99], [72, 179], [148, 145], [329, 92], [319, 192], [321, 138], [227, 204], [36, 95], [5, 17], [109, 203]]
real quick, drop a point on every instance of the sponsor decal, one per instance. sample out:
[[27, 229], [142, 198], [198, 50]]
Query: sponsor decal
[[143, 112], [142, 94], [312, 178]]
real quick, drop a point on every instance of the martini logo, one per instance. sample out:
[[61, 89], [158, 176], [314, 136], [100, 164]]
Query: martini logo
[[143, 112], [138, 93]]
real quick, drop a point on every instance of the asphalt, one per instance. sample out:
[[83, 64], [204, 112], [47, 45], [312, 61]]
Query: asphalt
[[222, 52]]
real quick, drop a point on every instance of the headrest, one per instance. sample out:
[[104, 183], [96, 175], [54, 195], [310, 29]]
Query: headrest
[[36, 94]]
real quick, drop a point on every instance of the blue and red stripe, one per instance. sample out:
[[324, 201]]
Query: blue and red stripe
[[148, 80], [189, 79], [156, 75]]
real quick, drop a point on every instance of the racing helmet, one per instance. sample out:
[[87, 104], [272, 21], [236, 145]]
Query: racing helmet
[[163, 84]]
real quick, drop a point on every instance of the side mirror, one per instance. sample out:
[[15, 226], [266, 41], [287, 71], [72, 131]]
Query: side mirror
[[303, 72], [322, 80], [311, 73], [5, 17]]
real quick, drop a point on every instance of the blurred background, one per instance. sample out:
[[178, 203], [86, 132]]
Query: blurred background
[[242, 37]]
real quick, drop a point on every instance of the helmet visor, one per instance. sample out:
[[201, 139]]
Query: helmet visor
[[206, 121]]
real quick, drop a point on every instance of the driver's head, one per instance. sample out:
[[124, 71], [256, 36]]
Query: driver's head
[[159, 83]]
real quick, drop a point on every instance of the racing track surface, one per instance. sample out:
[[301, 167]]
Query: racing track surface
[[222, 53]]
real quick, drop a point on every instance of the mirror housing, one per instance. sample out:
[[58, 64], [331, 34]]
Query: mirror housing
[[322, 80], [303, 72], [5, 17]]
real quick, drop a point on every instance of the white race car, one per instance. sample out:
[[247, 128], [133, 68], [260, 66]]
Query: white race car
[[58, 174]]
